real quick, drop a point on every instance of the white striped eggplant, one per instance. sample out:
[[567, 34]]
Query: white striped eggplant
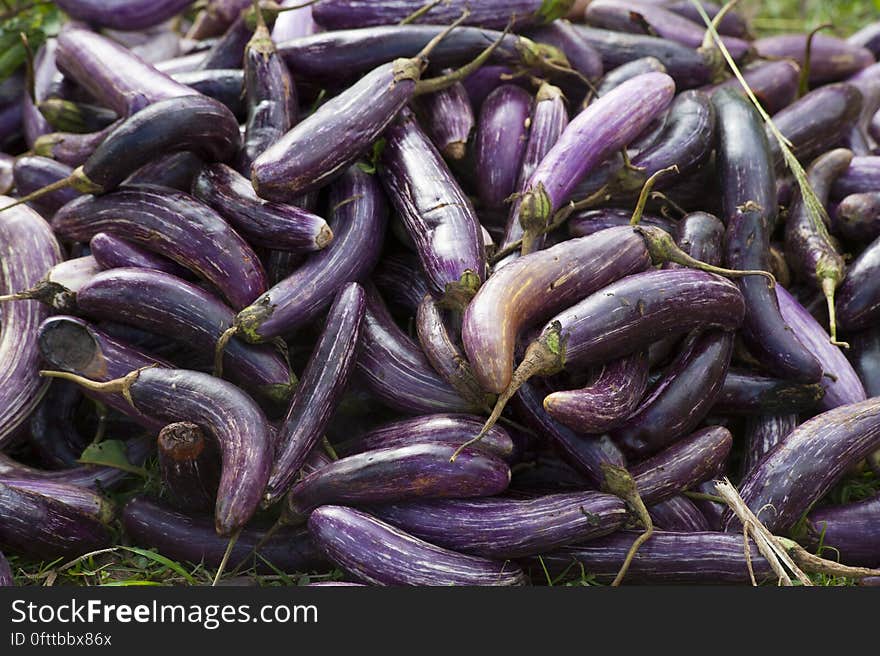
[[762, 433], [774, 83], [378, 553], [176, 226], [123, 14], [849, 531], [58, 288], [502, 527], [417, 471], [448, 119], [359, 215], [678, 514], [747, 393], [437, 214], [111, 252], [28, 249], [831, 59], [800, 470], [322, 384], [859, 295], [31, 173], [189, 466]]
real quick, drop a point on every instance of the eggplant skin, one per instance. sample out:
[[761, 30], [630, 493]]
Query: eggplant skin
[[125, 15], [851, 531], [6, 579], [375, 552]]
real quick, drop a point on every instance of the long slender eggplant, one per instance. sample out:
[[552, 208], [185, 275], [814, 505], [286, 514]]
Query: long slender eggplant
[[323, 382], [774, 83], [34, 172], [839, 380], [849, 531], [58, 288], [588, 222], [28, 249], [831, 59], [502, 528], [682, 397], [189, 466], [607, 401], [359, 216], [228, 50], [857, 217], [174, 225], [123, 14], [450, 429], [437, 214], [708, 558], [264, 223], [448, 119], [111, 252], [378, 553], [53, 435], [166, 305], [749, 200], [859, 295], [678, 514], [562, 35], [616, 76], [801, 469], [762, 433], [746, 393], [399, 280], [193, 539], [731, 23], [71, 148], [863, 175], [221, 84]]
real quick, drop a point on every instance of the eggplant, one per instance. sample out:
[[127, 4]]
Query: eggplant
[[359, 215], [112, 252], [865, 358], [294, 23], [859, 295], [70, 148], [707, 558], [451, 429], [189, 466], [774, 83], [399, 279], [678, 514], [417, 471], [616, 76], [6, 165], [857, 217], [166, 305], [681, 399], [588, 222], [69, 116], [607, 401], [53, 435], [228, 50], [863, 175], [731, 23], [192, 538], [174, 225], [6, 578], [562, 35], [749, 200], [831, 59], [849, 531], [800, 470], [378, 553], [502, 528], [28, 249], [221, 84], [58, 288], [31, 173], [323, 382], [264, 223], [762, 433], [123, 14], [701, 235], [448, 119], [868, 37], [746, 393]]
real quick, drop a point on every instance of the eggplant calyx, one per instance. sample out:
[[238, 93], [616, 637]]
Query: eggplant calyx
[[619, 482], [535, 209], [50, 293], [550, 10], [116, 386], [458, 294], [248, 321]]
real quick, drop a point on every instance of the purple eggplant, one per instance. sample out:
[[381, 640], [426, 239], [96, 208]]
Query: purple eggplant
[[800, 470], [580, 54], [69, 116], [749, 200], [848, 531], [323, 382], [264, 223], [865, 358], [378, 553], [189, 465], [448, 119], [774, 83], [418, 471], [868, 37], [505, 528], [70, 148], [45, 75], [731, 24], [863, 175], [607, 401], [166, 305], [682, 397], [859, 295], [193, 539], [831, 59], [175, 225], [620, 74], [707, 558], [358, 224], [701, 236], [28, 249], [857, 217], [438, 216], [175, 170], [123, 14], [34, 172], [400, 280], [6, 578], [294, 23], [745, 393], [588, 222], [449, 429], [678, 514], [58, 288], [111, 252], [221, 84], [762, 433], [840, 381], [228, 50], [53, 435]]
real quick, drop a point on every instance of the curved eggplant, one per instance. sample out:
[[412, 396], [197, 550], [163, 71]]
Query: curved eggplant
[[323, 382], [31, 173], [678, 514], [123, 14], [863, 175], [701, 236], [849, 531], [831, 59], [53, 435], [503, 528], [58, 288], [221, 84], [774, 83], [616, 76], [762, 433], [189, 467], [588, 222], [746, 393], [378, 553], [111, 252], [448, 119]]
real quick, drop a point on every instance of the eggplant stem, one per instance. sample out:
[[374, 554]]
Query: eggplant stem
[[702, 496], [232, 540], [544, 357], [619, 482], [659, 195], [422, 55], [115, 386], [828, 288], [418, 13], [220, 347], [804, 80], [646, 190], [77, 180], [328, 448], [817, 565]]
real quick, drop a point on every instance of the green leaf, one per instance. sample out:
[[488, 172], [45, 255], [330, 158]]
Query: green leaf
[[110, 453], [129, 583], [162, 560], [38, 22]]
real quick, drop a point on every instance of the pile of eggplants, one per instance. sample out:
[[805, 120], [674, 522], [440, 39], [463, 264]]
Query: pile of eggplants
[[404, 290]]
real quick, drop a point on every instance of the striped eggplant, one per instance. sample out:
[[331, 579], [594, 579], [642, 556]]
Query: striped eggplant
[[448, 119], [848, 531], [111, 252], [31, 173], [762, 433], [678, 514], [831, 59], [123, 14], [863, 175], [399, 279], [774, 83], [58, 288], [588, 222], [616, 76], [747, 393], [71, 148]]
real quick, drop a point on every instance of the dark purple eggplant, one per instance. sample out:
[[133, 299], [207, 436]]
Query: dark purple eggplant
[[221, 84], [857, 217], [749, 200], [701, 236], [862, 176], [189, 466], [485, 80], [228, 50], [580, 54], [264, 223], [111, 252], [378, 553], [682, 397], [707, 558], [746, 393], [418, 471], [28, 249], [868, 37], [53, 435], [858, 299], [399, 278], [70, 148], [10, 124], [166, 305], [359, 215], [448, 119], [175, 225], [616, 76], [678, 514], [762, 433], [193, 539], [865, 357], [608, 400], [848, 531], [123, 14], [437, 214], [58, 288], [588, 222], [442, 428], [68, 116], [34, 172], [831, 59], [175, 170], [774, 83], [505, 528], [323, 382], [800, 470]]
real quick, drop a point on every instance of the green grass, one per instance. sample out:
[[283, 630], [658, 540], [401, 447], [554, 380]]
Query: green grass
[[775, 16]]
